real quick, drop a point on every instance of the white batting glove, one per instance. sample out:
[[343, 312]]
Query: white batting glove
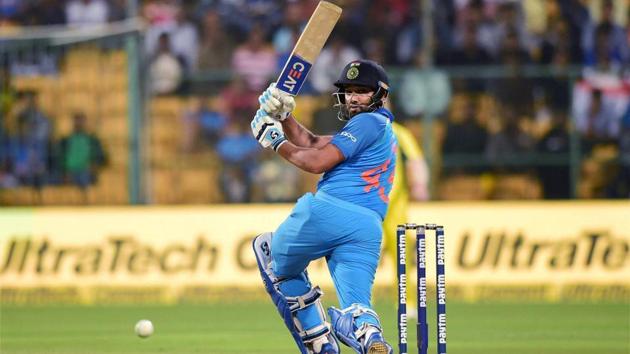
[[267, 131], [276, 103]]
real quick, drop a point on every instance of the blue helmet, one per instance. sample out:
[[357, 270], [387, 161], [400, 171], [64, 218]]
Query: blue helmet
[[362, 73]]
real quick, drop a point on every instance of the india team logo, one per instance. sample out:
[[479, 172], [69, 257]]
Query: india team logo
[[352, 73]]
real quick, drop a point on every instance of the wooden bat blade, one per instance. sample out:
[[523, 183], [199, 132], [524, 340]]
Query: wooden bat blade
[[317, 31], [308, 47]]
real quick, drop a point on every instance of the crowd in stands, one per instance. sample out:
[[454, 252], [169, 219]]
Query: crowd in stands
[[74, 13], [500, 116], [31, 156]]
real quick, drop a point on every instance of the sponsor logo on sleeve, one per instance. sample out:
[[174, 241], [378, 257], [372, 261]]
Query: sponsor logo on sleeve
[[349, 136]]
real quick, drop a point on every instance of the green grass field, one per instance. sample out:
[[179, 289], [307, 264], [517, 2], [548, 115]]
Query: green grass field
[[256, 328]]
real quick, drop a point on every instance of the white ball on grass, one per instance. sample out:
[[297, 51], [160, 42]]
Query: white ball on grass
[[144, 328]]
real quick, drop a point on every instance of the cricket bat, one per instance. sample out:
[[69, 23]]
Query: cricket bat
[[308, 47]]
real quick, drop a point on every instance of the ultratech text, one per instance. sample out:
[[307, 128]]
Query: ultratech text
[[117, 254]]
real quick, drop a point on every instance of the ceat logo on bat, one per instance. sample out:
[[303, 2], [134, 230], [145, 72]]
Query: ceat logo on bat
[[293, 75], [296, 71]]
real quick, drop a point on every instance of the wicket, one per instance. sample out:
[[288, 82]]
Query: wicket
[[422, 327]]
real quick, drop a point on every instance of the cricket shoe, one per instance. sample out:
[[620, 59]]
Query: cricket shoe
[[376, 344], [324, 345], [328, 348]]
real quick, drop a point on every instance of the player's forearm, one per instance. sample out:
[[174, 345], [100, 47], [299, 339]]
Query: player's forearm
[[418, 179], [306, 159], [301, 136]]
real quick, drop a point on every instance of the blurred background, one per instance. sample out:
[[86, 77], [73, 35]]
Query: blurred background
[[509, 99], [128, 173]]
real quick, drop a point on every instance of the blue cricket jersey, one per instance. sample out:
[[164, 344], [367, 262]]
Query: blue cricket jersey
[[366, 175]]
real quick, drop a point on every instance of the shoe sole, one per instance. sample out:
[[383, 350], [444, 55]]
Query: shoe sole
[[378, 348]]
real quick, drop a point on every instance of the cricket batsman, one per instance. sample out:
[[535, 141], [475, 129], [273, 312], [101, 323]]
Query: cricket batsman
[[342, 221]]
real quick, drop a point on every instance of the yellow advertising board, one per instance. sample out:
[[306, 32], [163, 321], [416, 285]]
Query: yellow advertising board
[[554, 250], [556, 242]]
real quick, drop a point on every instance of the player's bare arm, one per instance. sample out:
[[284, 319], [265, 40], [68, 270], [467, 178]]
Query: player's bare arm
[[301, 136], [313, 160]]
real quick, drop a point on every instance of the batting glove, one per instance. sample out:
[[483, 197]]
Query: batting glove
[[267, 131], [276, 103]]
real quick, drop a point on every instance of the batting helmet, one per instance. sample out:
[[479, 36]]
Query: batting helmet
[[362, 73]]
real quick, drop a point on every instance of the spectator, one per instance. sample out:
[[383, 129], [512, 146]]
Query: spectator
[[161, 12], [486, 27], [444, 20], [233, 16], [117, 10], [464, 133], [8, 93], [238, 102], [255, 60], [81, 154], [184, 39], [353, 26], [217, 44], [395, 20], [284, 37], [29, 149], [7, 97], [510, 140], [7, 180], [241, 16], [267, 12], [620, 188], [493, 20], [577, 14], [202, 125], [555, 179], [606, 41], [33, 117], [331, 62], [166, 69], [392, 13], [408, 41], [44, 12], [511, 52], [601, 60], [10, 9], [514, 90], [557, 39], [560, 34], [512, 22], [554, 89], [469, 52], [238, 153], [599, 123], [81, 13]]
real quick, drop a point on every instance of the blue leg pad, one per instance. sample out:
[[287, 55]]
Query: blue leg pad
[[309, 317], [297, 302], [359, 328]]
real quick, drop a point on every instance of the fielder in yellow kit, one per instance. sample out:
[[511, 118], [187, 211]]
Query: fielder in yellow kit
[[410, 183]]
